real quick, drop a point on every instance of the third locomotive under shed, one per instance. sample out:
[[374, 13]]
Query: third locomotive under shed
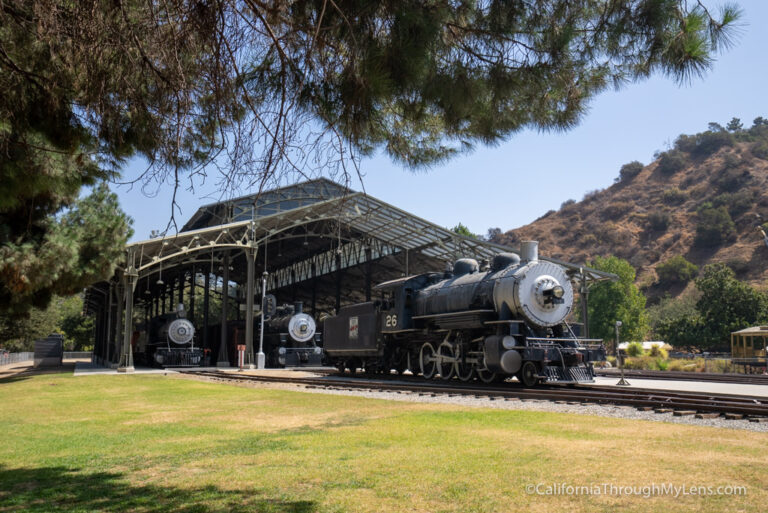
[[508, 319]]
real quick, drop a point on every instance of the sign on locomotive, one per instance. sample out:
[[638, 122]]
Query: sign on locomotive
[[508, 319]]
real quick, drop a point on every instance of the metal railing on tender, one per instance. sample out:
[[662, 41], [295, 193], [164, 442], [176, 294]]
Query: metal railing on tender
[[7, 358]]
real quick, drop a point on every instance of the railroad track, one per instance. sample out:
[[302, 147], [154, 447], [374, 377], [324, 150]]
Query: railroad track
[[744, 379], [700, 404]]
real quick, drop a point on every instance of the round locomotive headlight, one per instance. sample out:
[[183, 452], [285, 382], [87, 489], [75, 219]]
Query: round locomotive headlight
[[558, 292]]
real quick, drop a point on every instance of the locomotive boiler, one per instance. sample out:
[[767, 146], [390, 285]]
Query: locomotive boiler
[[508, 319]]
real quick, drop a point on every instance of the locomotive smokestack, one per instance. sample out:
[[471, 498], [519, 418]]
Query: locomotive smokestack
[[298, 307], [529, 251]]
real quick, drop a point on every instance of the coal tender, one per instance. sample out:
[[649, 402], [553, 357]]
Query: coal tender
[[508, 319]]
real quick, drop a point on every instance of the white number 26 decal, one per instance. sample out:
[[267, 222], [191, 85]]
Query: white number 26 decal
[[391, 321]]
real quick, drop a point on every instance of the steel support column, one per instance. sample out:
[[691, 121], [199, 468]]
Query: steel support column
[[250, 266], [338, 282], [182, 275], [192, 278], [584, 293], [368, 277], [206, 304], [104, 349], [223, 359], [130, 278], [114, 350], [314, 290]]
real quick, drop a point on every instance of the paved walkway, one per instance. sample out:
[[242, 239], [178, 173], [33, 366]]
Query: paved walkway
[[90, 369], [689, 386]]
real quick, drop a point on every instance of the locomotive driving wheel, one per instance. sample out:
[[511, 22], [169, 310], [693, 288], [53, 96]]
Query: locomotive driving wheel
[[465, 370], [487, 376], [528, 374], [427, 363], [445, 360]]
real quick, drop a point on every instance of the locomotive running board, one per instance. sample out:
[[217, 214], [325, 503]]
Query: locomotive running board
[[452, 320], [450, 314]]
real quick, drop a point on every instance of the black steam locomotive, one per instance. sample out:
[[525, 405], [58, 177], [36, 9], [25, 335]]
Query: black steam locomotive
[[506, 320], [291, 338], [172, 341]]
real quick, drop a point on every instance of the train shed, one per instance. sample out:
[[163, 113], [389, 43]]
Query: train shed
[[318, 242]]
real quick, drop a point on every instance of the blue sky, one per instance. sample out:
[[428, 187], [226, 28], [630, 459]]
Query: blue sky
[[512, 184]]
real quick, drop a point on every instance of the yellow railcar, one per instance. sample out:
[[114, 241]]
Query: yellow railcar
[[748, 346]]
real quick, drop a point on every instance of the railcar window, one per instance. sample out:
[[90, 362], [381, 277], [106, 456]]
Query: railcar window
[[759, 344]]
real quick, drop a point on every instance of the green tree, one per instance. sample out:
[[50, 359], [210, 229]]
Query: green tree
[[612, 301], [63, 315], [727, 304], [58, 251], [735, 125], [463, 230]]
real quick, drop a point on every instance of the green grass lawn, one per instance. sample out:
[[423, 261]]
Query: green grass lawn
[[155, 443]]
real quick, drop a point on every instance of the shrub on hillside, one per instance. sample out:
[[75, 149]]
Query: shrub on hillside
[[731, 179], [658, 221], [736, 202], [708, 143], [616, 209], [676, 270], [671, 162], [740, 267], [629, 171], [704, 144], [673, 196], [567, 203], [591, 195], [715, 226], [760, 150]]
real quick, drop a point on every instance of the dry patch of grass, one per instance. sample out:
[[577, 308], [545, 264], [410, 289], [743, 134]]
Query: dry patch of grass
[[153, 443]]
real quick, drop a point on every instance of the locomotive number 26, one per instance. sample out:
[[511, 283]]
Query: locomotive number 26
[[391, 321]]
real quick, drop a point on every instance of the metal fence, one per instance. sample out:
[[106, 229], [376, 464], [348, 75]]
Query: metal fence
[[78, 355], [8, 358]]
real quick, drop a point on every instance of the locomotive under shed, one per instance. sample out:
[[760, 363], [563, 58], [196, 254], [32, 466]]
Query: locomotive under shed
[[317, 243]]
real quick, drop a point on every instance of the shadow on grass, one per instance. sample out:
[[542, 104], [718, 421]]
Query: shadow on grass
[[58, 489]]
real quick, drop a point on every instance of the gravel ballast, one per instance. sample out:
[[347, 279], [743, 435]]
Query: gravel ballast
[[622, 412]]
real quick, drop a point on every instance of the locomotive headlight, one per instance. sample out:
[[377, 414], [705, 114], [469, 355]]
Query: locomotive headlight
[[554, 295]]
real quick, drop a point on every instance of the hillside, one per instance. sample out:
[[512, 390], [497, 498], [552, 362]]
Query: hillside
[[704, 199]]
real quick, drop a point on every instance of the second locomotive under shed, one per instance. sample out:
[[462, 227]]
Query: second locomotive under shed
[[509, 319]]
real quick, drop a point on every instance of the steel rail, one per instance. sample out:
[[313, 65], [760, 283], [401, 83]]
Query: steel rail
[[746, 379], [699, 402]]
